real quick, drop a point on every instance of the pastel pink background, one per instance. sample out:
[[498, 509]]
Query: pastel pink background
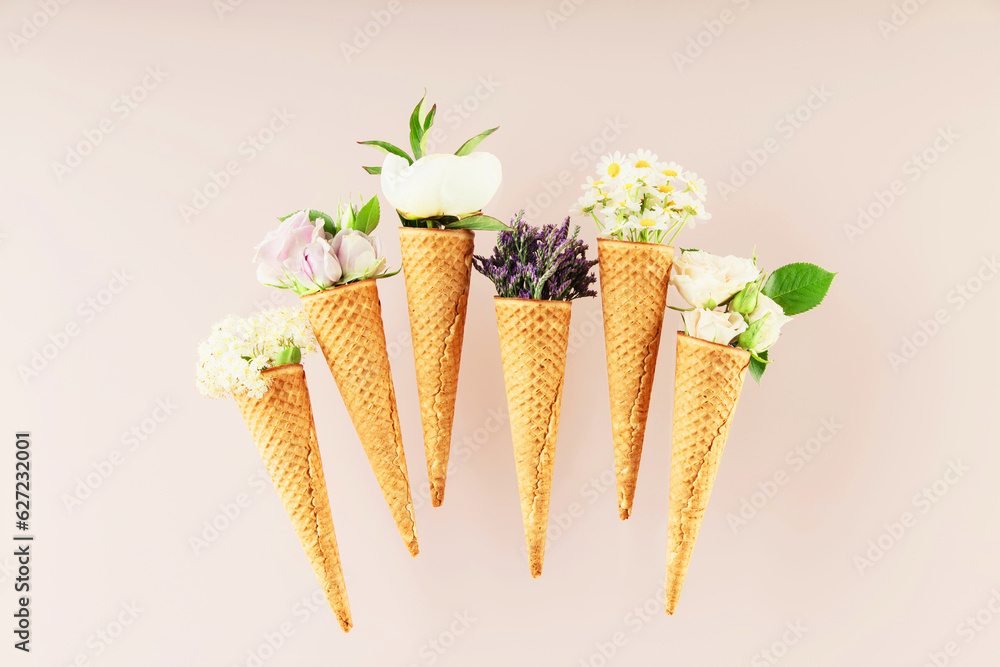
[[553, 89]]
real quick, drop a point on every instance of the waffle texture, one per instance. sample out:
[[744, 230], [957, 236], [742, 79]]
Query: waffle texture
[[707, 386], [281, 424], [634, 278], [437, 264], [533, 341], [347, 322]]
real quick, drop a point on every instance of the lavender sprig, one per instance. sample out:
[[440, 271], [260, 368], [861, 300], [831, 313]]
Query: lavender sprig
[[545, 262]]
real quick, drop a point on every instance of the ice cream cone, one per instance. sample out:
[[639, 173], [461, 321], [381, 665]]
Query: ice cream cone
[[347, 321], [533, 341], [281, 424], [707, 386], [633, 296], [436, 265]]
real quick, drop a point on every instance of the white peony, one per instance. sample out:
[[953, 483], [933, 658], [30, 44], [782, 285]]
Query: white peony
[[441, 184]]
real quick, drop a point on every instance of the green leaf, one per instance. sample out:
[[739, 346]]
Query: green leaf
[[290, 355], [478, 222], [416, 128], [373, 170], [471, 144], [757, 367], [423, 134], [430, 117], [367, 218], [798, 287], [386, 147]]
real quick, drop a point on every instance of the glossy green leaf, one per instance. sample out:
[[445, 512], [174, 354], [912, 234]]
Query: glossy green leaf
[[798, 287], [478, 222], [471, 144], [386, 147], [368, 217]]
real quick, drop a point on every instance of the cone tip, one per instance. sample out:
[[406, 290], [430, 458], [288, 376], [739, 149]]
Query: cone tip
[[536, 569], [624, 513], [413, 548], [437, 493], [345, 623]]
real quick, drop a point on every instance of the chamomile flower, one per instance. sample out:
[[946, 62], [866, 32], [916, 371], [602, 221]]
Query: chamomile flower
[[670, 169], [640, 198], [696, 185], [642, 159], [611, 165]]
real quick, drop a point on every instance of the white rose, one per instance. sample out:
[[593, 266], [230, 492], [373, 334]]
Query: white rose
[[706, 280], [768, 333], [441, 184], [713, 325]]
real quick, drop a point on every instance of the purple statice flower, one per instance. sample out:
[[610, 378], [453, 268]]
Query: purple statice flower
[[531, 262]]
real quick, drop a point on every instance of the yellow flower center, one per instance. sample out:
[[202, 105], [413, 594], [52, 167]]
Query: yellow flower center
[[597, 184], [693, 185], [669, 172], [641, 163], [665, 189], [628, 186], [647, 222], [614, 169]]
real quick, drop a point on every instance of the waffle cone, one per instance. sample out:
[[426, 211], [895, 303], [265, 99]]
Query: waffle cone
[[281, 424], [707, 386], [633, 296], [533, 341], [347, 322], [437, 264]]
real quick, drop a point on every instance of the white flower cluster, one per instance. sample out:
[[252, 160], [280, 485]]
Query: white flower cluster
[[232, 358], [708, 281], [641, 198]]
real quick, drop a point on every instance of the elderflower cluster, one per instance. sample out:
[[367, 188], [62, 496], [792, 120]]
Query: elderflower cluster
[[638, 198], [232, 358]]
